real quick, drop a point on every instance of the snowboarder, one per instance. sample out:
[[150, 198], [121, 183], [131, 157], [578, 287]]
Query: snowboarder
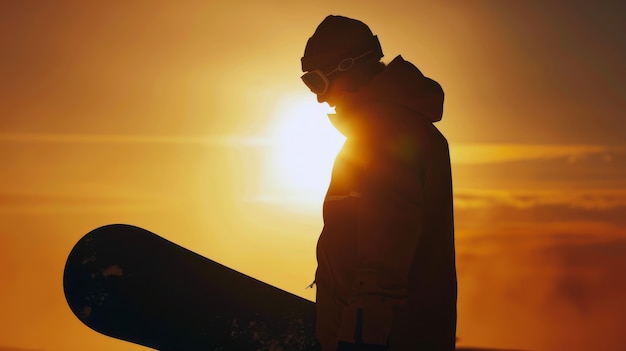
[[386, 275]]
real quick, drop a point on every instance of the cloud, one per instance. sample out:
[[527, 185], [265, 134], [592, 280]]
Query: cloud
[[132, 139], [497, 153], [536, 167], [12, 203], [489, 215], [577, 198], [543, 269], [550, 295], [590, 272]]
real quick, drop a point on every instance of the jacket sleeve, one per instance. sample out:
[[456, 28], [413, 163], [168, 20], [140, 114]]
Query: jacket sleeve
[[389, 228]]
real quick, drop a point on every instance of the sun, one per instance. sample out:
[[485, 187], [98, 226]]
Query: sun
[[304, 147]]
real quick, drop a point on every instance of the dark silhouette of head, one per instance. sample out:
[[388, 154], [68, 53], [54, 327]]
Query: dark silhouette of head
[[342, 55]]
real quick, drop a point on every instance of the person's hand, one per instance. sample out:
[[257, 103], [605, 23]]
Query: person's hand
[[344, 346]]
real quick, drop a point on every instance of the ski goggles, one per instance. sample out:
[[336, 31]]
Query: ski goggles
[[318, 81]]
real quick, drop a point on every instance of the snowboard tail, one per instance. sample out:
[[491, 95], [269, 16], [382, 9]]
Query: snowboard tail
[[128, 283]]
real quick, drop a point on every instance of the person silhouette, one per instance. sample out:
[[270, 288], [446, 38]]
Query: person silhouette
[[386, 273]]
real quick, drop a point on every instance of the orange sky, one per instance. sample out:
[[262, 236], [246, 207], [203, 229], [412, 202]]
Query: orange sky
[[170, 117]]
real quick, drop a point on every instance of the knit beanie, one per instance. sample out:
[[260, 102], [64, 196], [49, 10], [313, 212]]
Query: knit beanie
[[335, 39]]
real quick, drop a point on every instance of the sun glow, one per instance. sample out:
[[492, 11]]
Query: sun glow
[[305, 145]]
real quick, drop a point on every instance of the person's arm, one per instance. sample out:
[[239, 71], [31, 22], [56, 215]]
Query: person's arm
[[389, 228]]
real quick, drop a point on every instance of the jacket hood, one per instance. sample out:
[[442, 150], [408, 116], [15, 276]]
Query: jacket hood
[[402, 83], [399, 87]]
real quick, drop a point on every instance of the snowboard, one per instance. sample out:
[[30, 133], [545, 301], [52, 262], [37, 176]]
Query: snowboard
[[128, 283]]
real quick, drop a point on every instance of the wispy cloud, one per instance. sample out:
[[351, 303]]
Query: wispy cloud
[[133, 139], [13, 203], [497, 153], [534, 168], [572, 198], [540, 217]]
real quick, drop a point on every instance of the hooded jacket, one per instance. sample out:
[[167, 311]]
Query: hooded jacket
[[386, 260]]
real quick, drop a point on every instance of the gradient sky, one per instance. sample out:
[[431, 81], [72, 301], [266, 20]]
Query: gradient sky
[[172, 117]]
